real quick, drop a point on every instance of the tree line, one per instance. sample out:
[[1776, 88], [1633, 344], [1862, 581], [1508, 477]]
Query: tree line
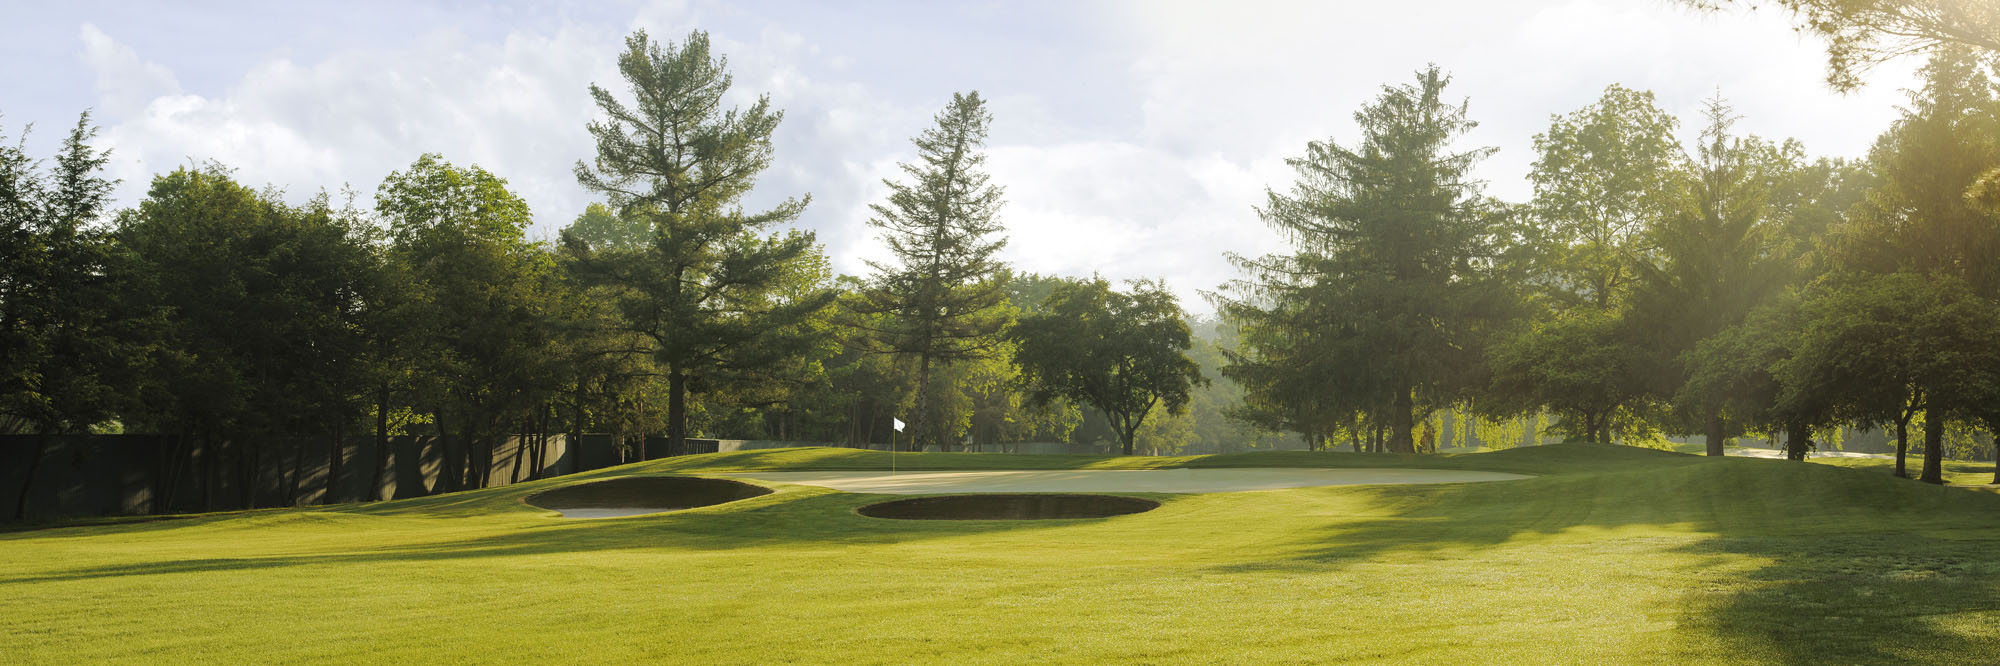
[[1731, 287], [223, 317]]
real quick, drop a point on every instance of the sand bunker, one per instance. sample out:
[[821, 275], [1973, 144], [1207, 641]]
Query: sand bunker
[[632, 496], [1207, 480], [1008, 507]]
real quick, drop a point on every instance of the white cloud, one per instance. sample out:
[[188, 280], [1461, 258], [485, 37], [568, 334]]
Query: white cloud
[[125, 82], [1133, 138]]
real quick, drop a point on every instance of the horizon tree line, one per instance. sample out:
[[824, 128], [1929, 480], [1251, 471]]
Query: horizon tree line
[[1735, 288]]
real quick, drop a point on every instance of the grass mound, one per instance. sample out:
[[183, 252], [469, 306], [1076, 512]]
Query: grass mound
[[1005, 506]]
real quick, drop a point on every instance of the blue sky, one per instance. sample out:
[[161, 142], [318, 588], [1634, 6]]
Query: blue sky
[[1133, 137]]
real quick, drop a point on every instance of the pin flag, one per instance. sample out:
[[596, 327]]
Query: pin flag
[[898, 422]]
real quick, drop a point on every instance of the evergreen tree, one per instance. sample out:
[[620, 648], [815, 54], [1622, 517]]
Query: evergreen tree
[[1926, 215], [943, 297], [708, 291], [1709, 264], [61, 345], [1389, 298]]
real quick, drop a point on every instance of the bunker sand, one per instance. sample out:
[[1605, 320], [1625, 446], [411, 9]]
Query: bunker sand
[[1206, 480]]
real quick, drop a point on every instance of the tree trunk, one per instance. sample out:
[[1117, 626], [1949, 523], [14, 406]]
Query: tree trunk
[[291, 476], [334, 456], [1902, 445], [1401, 437], [1798, 440], [28, 480], [204, 469], [381, 444], [676, 408], [1126, 436], [1933, 449], [448, 463], [520, 451], [172, 462], [920, 421], [1715, 434], [246, 473]]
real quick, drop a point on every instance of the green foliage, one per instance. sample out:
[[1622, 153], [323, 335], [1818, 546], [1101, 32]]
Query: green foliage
[[257, 308], [1602, 174], [1120, 353], [479, 320], [714, 298], [1861, 34], [1581, 364], [65, 345], [1711, 264], [1386, 304], [601, 229], [1925, 217], [944, 297]]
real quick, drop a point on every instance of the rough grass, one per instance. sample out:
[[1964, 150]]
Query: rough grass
[[1611, 555]]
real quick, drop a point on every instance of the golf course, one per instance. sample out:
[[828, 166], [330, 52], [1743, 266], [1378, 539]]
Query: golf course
[[1602, 554]]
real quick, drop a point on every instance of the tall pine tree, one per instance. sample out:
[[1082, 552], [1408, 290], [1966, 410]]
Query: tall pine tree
[[1388, 299], [711, 292], [944, 293]]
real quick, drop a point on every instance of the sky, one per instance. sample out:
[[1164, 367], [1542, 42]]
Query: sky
[[1133, 138]]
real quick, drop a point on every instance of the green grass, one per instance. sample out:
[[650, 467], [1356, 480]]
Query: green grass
[[1610, 555]]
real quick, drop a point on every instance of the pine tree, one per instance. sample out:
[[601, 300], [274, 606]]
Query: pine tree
[[1386, 302], [1709, 265], [713, 295], [943, 296]]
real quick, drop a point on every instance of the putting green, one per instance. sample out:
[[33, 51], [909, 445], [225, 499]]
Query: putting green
[[1205, 480]]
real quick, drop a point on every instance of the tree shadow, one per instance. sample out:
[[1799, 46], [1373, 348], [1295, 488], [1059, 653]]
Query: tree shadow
[[1843, 566], [792, 516]]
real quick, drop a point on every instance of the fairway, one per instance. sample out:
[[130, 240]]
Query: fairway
[[1605, 555], [1182, 480]]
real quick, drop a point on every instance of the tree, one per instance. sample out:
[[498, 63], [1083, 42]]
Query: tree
[[1872, 346], [1580, 364], [602, 229], [1709, 264], [705, 291], [1604, 173], [1120, 353], [1925, 214], [481, 329], [943, 297], [1389, 291], [1861, 34], [64, 346], [255, 311]]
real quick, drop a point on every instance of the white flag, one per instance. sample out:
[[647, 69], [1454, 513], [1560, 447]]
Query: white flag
[[898, 422]]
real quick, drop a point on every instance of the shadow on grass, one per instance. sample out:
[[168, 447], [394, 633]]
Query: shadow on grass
[[790, 518], [1847, 566]]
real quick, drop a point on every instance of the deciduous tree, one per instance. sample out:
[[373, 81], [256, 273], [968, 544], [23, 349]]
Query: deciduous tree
[[1120, 353]]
